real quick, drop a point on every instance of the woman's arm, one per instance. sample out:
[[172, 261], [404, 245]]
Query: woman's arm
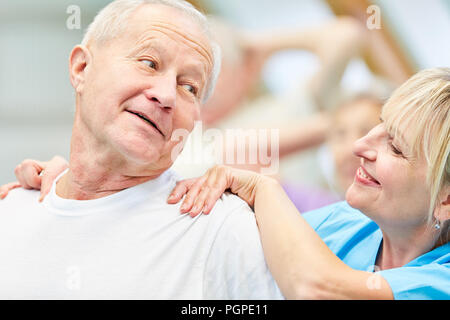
[[301, 263]]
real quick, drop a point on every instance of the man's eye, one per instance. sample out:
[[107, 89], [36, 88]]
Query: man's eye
[[190, 88], [149, 63]]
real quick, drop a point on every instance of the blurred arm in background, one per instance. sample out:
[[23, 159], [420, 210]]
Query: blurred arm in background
[[245, 54]]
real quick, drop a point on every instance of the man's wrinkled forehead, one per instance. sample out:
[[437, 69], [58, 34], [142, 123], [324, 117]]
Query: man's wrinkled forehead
[[172, 22]]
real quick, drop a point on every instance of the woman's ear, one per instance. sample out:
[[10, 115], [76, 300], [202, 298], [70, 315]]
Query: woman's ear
[[442, 213], [79, 60]]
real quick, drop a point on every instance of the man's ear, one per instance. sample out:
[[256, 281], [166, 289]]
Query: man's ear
[[442, 213], [79, 60]]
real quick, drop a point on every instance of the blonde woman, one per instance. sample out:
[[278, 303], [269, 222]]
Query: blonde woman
[[389, 239]]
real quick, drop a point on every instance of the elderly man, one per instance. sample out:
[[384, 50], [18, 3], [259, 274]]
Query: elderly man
[[106, 230]]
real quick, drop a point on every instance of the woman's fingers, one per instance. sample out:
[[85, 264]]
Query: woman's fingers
[[33, 174], [5, 189], [53, 169], [222, 182], [191, 195], [212, 189], [199, 202], [202, 193], [206, 200], [180, 190], [214, 195], [28, 174]]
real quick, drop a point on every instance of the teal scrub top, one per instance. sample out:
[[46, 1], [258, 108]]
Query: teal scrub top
[[355, 239]]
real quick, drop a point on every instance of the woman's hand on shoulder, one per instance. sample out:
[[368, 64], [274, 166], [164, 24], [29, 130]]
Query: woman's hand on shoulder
[[34, 174], [203, 192]]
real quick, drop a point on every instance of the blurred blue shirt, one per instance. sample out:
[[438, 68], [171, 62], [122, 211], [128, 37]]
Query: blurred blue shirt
[[356, 239]]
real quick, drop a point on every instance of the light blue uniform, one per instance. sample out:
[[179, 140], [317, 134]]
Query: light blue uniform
[[355, 239]]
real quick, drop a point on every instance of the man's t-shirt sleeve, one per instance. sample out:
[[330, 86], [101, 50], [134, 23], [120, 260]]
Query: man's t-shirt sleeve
[[235, 267]]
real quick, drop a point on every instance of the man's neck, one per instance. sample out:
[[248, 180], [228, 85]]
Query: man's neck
[[95, 173], [76, 186]]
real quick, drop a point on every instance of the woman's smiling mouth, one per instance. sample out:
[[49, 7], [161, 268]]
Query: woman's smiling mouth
[[363, 177]]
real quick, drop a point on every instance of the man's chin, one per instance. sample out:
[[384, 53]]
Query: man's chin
[[136, 156]]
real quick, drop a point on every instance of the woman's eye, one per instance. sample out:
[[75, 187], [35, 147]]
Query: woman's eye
[[190, 88], [395, 150], [149, 63]]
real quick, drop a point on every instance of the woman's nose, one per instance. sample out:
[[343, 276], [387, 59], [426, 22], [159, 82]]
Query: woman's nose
[[366, 147]]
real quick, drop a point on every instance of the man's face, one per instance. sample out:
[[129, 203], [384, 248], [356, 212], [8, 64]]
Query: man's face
[[144, 84]]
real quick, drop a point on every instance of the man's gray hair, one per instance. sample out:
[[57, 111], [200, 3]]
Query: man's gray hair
[[112, 19]]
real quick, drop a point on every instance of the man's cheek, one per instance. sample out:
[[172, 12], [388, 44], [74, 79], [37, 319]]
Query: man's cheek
[[183, 123], [172, 150]]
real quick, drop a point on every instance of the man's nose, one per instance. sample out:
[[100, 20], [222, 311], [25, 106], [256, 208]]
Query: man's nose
[[163, 90], [366, 147]]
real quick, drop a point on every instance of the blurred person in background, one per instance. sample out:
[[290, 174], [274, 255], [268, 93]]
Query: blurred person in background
[[239, 85]]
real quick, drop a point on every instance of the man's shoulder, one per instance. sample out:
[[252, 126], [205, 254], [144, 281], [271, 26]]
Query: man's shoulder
[[19, 201], [20, 195], [235, 218], [233, 206], [231, 200]]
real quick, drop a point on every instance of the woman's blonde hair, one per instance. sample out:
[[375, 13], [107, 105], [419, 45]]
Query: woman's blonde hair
[[422, 106]]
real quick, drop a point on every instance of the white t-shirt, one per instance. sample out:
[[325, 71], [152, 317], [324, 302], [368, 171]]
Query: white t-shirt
[[129, 245]]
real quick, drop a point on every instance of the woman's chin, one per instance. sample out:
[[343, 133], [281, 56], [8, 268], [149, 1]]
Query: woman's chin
[[362, 198], [353, 196]]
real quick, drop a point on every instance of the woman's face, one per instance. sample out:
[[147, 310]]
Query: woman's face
[[390, 184], [350, 123]]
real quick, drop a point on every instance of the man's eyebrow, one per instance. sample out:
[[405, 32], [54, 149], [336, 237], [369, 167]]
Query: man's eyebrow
[[197, 70], [147, 44]]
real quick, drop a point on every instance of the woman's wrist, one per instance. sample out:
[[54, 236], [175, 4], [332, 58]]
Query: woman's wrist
[[266, 185], [268, 182]]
